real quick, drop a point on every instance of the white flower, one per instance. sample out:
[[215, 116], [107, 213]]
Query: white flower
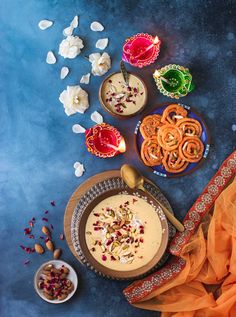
[[74, 99], [71, 46], [100, 63]]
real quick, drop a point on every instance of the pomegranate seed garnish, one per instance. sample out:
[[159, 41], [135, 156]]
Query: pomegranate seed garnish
[[61, 236], [45, 219], [104, 258], [26, 262]]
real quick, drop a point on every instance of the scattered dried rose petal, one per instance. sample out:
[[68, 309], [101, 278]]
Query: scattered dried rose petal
[[41, 237], [51, 59], [61, 236], [45, 24], [45, 219], [31, 236], [97, 117], [64, 72], [46, 212], [51, 226], [85, 79], [102, 43], [96, 26], [77, 128], [26, 262], [27, 231], [32, 250], [22, 247], [28, 250], [53, 203]]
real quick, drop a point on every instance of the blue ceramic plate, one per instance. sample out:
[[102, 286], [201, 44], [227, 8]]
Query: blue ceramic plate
[[160, 170]]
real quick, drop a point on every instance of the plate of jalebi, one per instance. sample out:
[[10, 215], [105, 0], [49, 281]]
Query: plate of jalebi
[[173, 140]]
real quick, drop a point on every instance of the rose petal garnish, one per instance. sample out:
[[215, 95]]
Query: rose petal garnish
[[77, 128], [61, 236], [102, 43], [97, 117], [51, 59], [45, 24], [26, 262], [96, 26], [64, 72], [45, 219], [51, 226], [85, 79], [22, 247]]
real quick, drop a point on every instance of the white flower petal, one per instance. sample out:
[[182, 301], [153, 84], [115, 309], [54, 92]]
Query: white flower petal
[[45, 24], [51, 59], [102, 43], [77, 128], [85, 79], [97, 117], [79, 169], [75, 22], [96, 26], [64, 72], [68, 31]]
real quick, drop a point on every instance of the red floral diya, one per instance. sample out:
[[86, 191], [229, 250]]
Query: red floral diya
[[103, 140], [141, 49]]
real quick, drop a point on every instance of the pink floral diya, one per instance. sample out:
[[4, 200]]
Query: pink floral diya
[[103, 140], [141, 50]]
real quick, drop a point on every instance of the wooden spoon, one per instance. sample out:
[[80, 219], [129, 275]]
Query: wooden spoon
[[135, 180]]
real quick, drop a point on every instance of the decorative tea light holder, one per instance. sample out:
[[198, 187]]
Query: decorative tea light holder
[[103, 140], [141, 50], [174, 81]]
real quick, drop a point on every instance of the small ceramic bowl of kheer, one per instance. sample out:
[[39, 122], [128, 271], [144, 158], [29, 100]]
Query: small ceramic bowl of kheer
[[120, 99], [123, 234]]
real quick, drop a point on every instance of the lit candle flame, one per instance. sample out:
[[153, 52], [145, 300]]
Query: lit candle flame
[[156, 40], [121, 148]]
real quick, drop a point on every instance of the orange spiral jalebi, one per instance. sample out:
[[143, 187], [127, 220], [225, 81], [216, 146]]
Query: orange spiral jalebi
[[150, 125], [191, 149], [151, 152], [173, 113], [190, 127], [173, 163], [169, 137]]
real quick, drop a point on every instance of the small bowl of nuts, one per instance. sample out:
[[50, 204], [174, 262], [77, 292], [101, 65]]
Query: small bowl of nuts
[[55, 281]]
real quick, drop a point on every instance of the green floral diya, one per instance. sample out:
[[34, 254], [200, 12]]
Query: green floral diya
[[174, 81]]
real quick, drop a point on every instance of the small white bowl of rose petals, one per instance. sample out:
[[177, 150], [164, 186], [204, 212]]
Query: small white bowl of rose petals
[[55, 281]]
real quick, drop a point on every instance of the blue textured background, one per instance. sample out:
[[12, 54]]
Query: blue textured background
[[38, 148]]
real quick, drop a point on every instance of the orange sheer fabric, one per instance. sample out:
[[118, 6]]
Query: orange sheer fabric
[[207, 285]]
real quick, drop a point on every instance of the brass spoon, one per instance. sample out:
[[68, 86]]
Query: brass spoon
[[134, 180]]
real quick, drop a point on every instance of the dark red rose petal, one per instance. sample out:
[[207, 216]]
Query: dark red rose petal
[[26, 262], [45, 219], [53, 203]]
